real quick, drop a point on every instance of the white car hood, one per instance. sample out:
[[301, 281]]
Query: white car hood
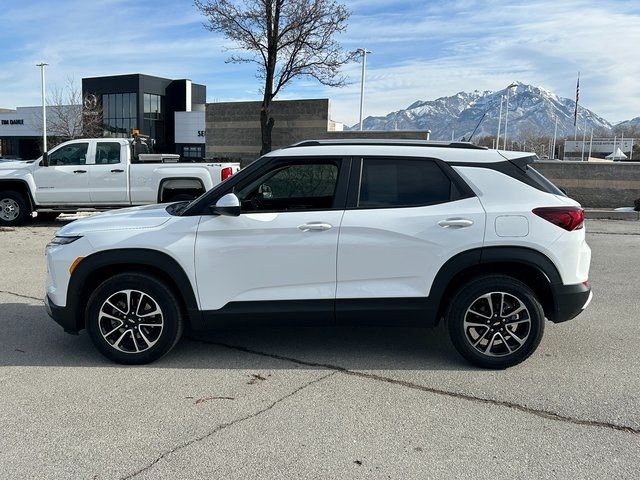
[[14, 165], [133, 218]]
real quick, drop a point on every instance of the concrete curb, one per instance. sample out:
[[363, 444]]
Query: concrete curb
[[611, 215]]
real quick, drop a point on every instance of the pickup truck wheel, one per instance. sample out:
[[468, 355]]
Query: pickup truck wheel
[[133, 318], [14, 209], [495, 321]]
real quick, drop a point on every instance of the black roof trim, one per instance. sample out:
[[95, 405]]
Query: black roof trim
[[389, 142]]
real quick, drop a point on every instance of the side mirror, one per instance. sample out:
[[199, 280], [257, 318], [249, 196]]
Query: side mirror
[[228, 205], [45, 159]]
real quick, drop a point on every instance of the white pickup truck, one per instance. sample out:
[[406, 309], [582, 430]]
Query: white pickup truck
[[100, 173]]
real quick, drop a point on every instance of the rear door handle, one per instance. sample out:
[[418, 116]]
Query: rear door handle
[[117, 170], [455, 223], [79, 171], [315, 227]]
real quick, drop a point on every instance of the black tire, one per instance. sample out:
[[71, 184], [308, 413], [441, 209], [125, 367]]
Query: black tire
[[14, 208], [164, 338], [506, 335], [47, 216]]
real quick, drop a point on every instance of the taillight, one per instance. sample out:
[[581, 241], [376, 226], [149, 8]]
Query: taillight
[[225, 173], [569, 218]]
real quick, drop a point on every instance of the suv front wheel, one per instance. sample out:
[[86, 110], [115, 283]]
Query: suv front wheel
[[134, 318], [495, 321]]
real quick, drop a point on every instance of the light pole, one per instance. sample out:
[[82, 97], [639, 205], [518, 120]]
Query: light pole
[[555, 134], [363, 52], [499, 122], [44, 108], [506, 113]]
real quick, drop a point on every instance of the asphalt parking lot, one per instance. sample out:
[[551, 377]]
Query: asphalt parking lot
[[322, 403]]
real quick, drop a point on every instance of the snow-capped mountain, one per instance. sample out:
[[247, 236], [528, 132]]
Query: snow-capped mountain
[[633, 123], [532, 111]]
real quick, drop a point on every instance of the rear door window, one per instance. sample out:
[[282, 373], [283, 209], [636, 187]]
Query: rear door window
[[107, 153], [399, 182]]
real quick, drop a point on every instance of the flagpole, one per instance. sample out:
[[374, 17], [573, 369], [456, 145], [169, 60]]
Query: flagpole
[[590, 144]]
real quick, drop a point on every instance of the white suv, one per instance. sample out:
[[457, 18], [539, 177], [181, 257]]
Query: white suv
[[367, 232]]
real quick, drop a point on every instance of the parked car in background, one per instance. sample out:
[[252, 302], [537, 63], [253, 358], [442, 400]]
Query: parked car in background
[[100, 173], [335, 232]]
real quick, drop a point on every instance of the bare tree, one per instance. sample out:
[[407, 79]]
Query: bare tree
[[286, 39], [72, 116], [69, 115]]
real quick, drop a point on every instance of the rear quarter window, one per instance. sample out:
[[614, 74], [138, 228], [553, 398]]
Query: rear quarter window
[[396, 182], [543, 182]]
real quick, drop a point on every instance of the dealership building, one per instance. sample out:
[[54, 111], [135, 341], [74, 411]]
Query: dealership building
[[176, 115], [151, 104], [170, 111]]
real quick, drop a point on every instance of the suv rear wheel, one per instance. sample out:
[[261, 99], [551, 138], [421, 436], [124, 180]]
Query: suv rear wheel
[[134, 318], [495, 321]]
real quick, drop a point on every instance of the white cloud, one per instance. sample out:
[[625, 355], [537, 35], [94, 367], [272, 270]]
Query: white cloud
[[422, 50]]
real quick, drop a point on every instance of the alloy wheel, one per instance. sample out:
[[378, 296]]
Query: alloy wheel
[[131, 321], [497, 324]]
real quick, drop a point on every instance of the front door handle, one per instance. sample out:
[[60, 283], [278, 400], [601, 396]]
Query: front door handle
[[455, 223], [79, 171], [117, 170], [315, 227]]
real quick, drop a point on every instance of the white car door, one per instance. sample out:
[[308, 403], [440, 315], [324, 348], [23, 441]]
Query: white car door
[[405, 220], [283, 245], [108, 179], [65, 181]]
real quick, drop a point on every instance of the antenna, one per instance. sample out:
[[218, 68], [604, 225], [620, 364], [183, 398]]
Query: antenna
[[474, 130]]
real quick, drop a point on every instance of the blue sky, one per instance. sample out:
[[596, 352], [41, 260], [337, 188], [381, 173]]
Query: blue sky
[[422, 50]]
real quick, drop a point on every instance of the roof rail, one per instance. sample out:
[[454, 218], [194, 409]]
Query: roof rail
[[388, 142]]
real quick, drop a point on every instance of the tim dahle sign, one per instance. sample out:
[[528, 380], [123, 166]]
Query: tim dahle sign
[[16, 121]]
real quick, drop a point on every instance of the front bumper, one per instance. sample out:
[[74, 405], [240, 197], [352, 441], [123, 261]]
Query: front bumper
[[62, 315], [570, 301]]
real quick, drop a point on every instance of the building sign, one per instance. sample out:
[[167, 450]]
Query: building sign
[[190, 127], [599, 145], [90, 101], [12, 121]]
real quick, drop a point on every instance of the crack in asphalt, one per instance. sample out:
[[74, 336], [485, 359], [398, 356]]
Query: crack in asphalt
[[22, 296], [224, 426], [630, 234], [463, 396]]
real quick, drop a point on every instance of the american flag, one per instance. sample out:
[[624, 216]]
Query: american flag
[[575, 113]]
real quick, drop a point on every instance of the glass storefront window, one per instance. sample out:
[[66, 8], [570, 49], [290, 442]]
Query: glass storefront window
[[119, 114]]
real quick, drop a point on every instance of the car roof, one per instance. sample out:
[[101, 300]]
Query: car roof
[[446, 151]]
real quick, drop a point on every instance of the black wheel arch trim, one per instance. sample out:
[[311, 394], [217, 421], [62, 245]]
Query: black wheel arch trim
[[469, 259], [128, 257], [25, 185]]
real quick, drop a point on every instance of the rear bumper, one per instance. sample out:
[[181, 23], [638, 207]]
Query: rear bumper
[[570, 301], [62, 315]]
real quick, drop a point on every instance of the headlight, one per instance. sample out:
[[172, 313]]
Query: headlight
[[60, 240]]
